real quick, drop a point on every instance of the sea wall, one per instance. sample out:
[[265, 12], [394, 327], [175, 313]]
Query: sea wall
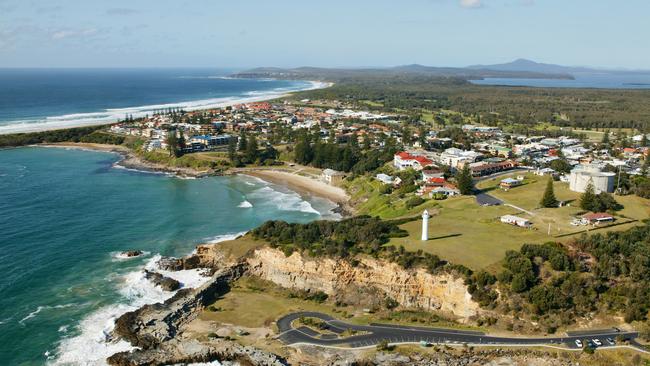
[[367, 283]]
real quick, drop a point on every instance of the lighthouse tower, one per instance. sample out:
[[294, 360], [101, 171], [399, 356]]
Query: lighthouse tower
[[425, 225]]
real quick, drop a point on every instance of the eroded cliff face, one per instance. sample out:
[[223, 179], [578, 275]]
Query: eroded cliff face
[[369, 282]]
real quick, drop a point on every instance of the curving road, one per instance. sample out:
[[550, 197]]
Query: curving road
[[374, 333]]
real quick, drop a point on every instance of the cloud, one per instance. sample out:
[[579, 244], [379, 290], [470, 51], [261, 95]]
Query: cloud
[[121, 11], [72, 33], [471, 3]]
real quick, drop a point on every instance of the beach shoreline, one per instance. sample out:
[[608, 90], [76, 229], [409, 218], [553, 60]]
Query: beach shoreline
[[51, 126], [303, 185], [130, 160]]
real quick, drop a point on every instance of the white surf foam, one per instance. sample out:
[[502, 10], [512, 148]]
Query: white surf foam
[[285, 201], [114, 114], [122, 256], [93, 342], [38, 310], [224, 237], [245, 204]]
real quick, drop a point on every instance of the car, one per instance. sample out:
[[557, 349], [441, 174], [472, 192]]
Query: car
[[610, 341], [597, 342], [579, 343]]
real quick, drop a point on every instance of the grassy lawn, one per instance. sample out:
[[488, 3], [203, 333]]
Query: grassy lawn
[[237, 248], [255, 303], [463, 232]]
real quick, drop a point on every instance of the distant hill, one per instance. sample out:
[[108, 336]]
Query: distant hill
[[334, 74], [524, 65]]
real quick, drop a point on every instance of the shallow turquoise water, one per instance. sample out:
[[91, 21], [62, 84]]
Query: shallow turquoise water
[[63, 216]]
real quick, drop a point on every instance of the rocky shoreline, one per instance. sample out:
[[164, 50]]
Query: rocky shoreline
[[131, 160]]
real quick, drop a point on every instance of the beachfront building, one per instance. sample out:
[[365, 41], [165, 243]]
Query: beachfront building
[[582, 175], [332, 177], [403, 160]]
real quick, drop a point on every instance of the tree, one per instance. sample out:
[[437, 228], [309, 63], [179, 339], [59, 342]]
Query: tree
[[232, 150], [548, 199], [561, 166], [242, 141], [251, 150], [589, 200], [464, 180], [172, 143]]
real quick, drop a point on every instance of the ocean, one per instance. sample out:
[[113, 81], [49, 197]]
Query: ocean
[[622, 80], [65, 216], [36, 99]]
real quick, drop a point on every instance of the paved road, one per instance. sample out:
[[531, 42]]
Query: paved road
[[375, 333], [485, 199]]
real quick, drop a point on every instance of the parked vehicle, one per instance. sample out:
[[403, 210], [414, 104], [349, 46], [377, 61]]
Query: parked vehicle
[[579, 343], [597, 342]]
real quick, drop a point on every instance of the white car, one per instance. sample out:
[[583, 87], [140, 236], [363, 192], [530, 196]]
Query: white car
[[579, 343], [597, 342]]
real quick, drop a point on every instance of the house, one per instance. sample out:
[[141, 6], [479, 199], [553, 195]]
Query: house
[[404, 160], [332, 177], [432, 173], [385, 178], [597, 218], [509, 183], [545, 171], [516, 221], [447, 189]]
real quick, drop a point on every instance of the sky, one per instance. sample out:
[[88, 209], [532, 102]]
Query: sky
[[332, 33]]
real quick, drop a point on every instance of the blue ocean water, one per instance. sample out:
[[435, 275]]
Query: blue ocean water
[[31, 99], [64, 217], [622, 80]]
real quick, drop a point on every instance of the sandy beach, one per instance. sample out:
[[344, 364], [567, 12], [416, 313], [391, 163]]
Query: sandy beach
[[299, 183], [303, 184], [112, 116]]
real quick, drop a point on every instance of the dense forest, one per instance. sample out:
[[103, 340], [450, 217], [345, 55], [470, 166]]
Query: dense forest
[[556, 283], [580, 108]]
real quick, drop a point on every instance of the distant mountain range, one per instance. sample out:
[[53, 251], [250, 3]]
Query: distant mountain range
[[459, 73], [517, 69], [524, 65]]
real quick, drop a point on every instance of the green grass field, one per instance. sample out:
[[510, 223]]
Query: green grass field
[[463, 232]]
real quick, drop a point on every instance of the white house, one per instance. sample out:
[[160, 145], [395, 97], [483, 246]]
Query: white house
[[516, 221], [404, 160], [385, 178]]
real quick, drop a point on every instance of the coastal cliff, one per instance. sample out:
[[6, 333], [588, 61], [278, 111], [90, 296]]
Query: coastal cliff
[[340, 279]]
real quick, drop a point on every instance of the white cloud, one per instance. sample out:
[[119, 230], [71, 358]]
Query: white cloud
[[68, 33], [471, 3]]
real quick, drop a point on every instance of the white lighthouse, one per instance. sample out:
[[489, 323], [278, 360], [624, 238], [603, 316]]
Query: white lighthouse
[[425, 225]]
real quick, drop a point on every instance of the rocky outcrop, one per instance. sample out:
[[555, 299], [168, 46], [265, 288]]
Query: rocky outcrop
[[346, 282], [150, 325], [132, 253], [166, 283], [194, 351]]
